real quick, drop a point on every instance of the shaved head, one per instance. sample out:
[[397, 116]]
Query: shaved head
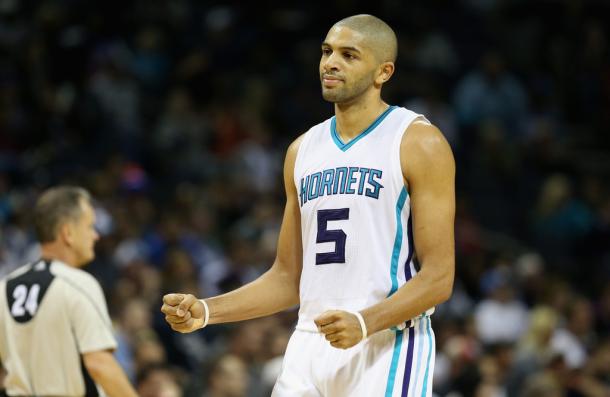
[[379, 36], [358, 56]]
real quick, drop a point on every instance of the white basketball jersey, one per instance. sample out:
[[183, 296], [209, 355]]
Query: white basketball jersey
[[355, 216]]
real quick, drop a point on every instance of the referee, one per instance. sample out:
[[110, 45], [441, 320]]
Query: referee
[[55, 333]]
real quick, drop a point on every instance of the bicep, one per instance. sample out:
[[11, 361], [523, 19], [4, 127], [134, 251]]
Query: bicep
[[289, 249], [98, 363], [95, 358], [429, 169]]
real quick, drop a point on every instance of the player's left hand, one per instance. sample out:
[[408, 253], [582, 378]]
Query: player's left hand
[[341, 328]]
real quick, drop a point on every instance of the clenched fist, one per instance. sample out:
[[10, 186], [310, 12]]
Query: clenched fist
[[341, 328], [184, 313]]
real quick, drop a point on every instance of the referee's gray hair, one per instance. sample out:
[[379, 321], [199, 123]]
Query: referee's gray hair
[[56, 206]]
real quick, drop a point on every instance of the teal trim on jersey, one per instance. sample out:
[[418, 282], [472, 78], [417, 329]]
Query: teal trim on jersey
[[345, 146], [389, 388], [402, 198], [429, 332], [420, 353]]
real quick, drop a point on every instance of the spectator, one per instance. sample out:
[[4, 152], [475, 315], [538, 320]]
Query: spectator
[[227, 377], [501, 302]]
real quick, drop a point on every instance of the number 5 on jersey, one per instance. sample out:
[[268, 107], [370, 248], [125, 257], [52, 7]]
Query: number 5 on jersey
[[337, 236]]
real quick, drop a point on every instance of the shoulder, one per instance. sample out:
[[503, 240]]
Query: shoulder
[[76, 278], [17, 272], [316, 132], [80, 290], [293, 148], [421, 135], [424, 146], [290, 161]]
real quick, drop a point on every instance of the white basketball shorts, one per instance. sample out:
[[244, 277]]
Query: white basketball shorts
[[390, 363]]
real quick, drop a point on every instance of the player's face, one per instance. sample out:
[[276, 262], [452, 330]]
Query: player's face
[[85, 235], [347, 66]]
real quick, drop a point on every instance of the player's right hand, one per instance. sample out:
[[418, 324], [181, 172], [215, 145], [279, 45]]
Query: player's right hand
[[183, 312]]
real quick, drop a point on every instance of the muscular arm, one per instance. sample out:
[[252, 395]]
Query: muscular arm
[[107, 373], [275, 290], [429, 170]]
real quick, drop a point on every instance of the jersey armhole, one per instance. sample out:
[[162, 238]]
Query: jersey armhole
[[298, 158], [396, 156]]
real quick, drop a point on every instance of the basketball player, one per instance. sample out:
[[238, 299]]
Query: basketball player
[[55, 332], [367, 190]]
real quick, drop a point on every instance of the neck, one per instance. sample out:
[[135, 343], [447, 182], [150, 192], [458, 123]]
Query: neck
[[57, 251], [354, 117]]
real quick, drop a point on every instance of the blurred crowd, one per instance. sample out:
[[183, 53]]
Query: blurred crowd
[[176, 115]]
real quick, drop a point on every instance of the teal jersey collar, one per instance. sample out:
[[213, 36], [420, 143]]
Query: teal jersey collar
[[368, 130]]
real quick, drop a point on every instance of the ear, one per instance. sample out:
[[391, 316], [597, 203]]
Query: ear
[[385, 71], [66, 233]]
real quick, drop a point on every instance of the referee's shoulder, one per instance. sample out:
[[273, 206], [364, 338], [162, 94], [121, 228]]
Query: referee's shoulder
[[16, 272], [77, 278]]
